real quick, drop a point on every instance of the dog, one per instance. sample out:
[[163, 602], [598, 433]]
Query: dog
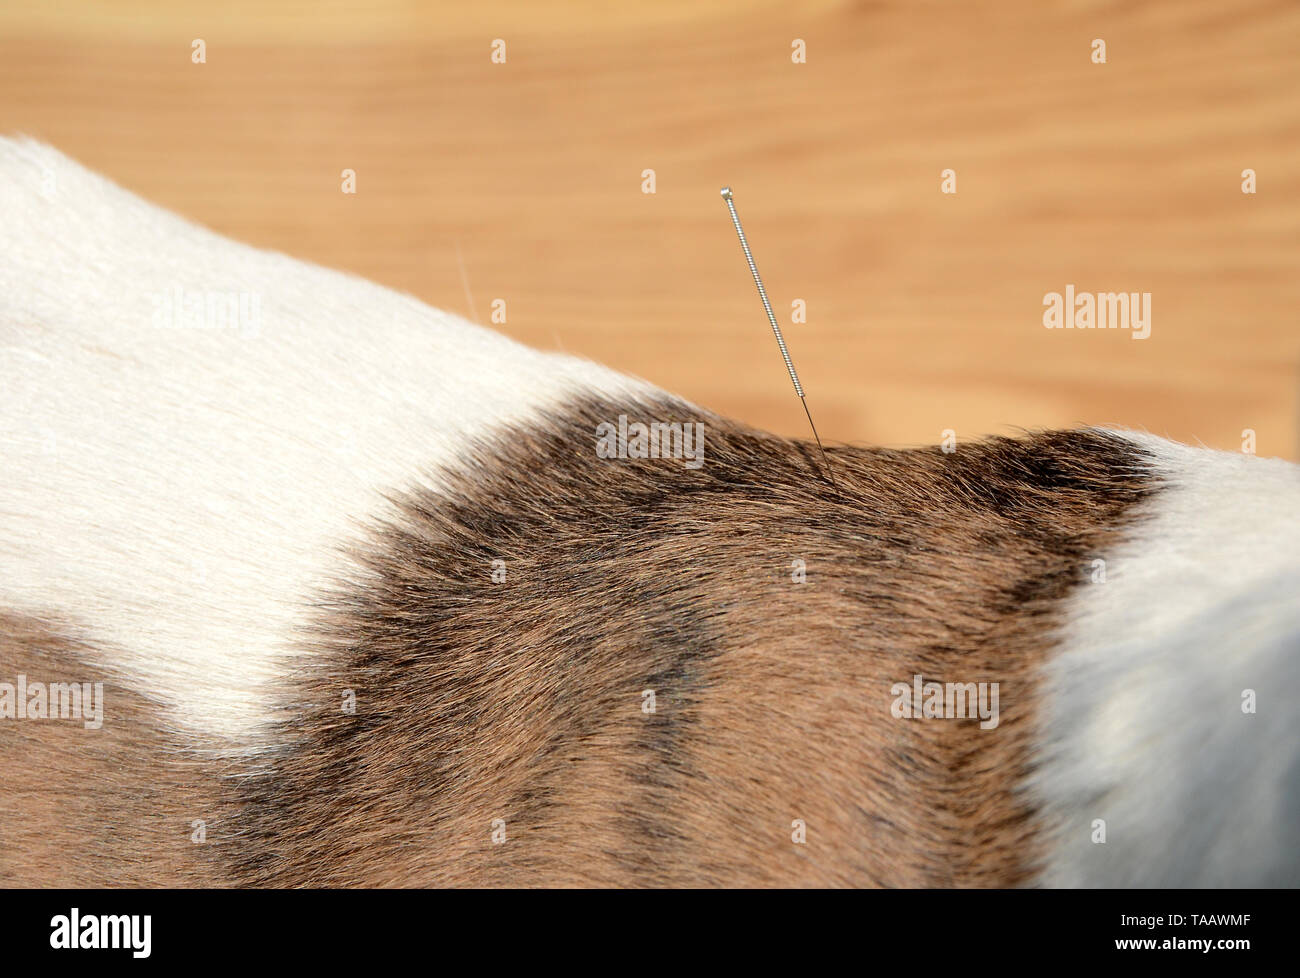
[[305, 583]]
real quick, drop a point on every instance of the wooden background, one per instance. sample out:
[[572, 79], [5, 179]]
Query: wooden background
[[522, 181]]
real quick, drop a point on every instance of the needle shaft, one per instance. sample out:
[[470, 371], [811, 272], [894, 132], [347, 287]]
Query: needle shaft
[[776, 329]]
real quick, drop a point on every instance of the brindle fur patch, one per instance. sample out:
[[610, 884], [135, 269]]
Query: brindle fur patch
[[519, 703]]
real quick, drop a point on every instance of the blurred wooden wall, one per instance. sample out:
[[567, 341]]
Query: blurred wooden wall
[[522, 181]]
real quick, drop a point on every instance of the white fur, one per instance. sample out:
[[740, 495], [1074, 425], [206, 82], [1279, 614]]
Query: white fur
[[183, 493], [1144, 725]]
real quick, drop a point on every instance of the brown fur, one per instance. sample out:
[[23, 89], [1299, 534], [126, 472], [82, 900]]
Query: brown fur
[[106, 807], [522, 700]]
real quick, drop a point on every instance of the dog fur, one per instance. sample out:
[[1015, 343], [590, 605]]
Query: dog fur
[[371, 610]]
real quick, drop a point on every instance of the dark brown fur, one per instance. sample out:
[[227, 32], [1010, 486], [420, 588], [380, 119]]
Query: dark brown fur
[[522, 700]]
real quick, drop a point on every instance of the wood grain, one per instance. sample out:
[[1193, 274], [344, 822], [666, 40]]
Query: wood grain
[[522, 181]]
